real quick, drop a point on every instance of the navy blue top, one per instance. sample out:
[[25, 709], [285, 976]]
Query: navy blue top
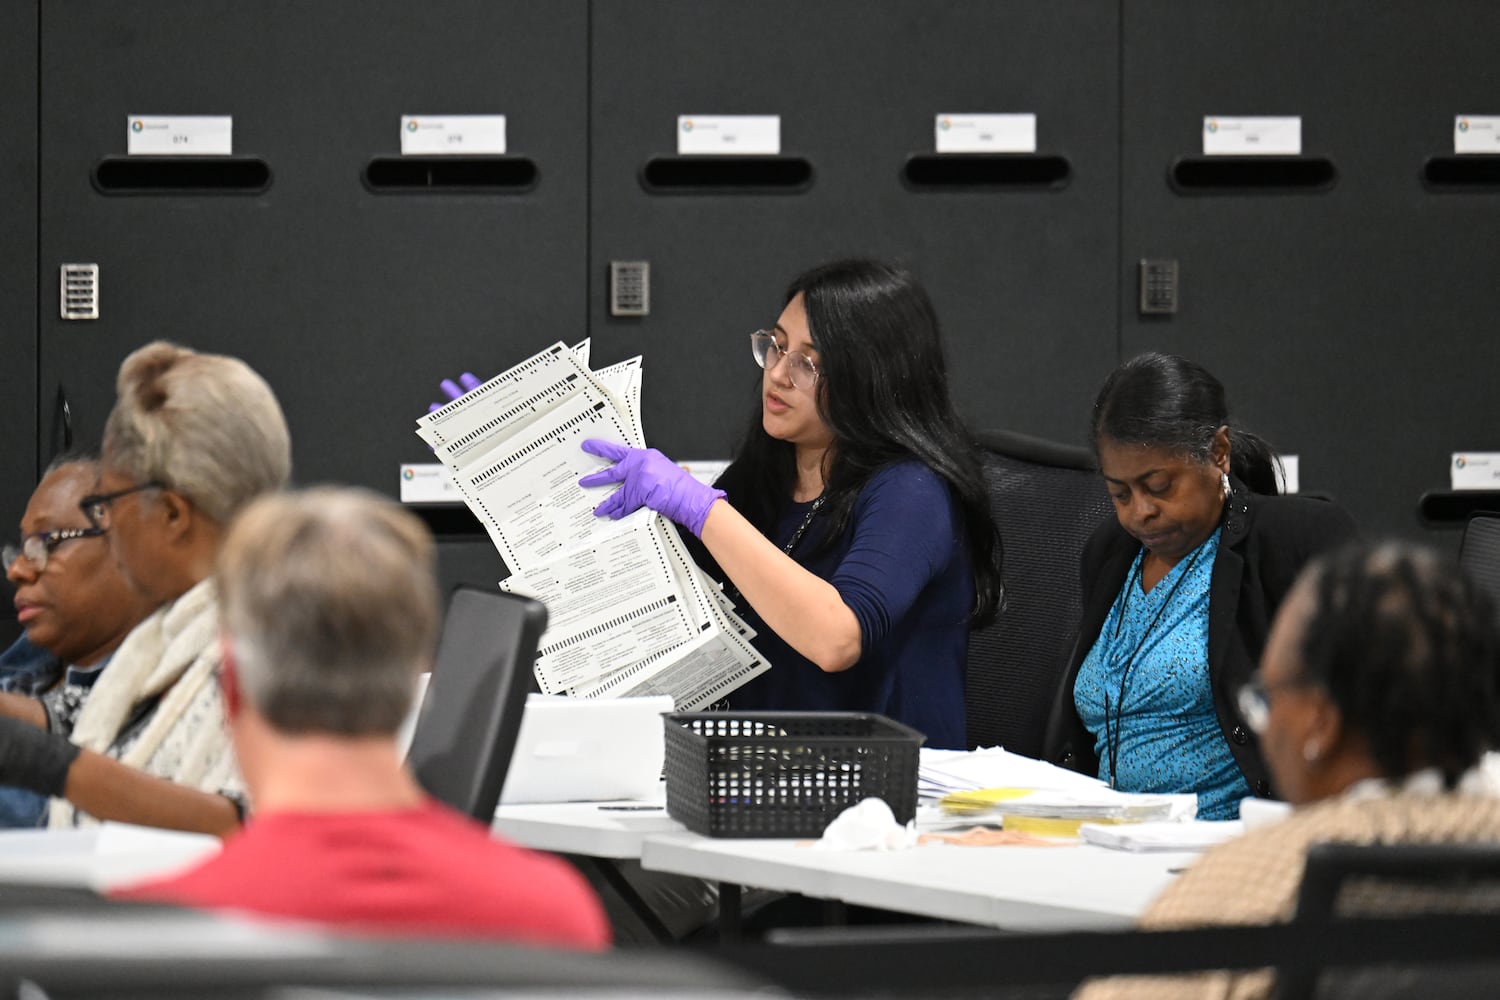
[[902, 566]]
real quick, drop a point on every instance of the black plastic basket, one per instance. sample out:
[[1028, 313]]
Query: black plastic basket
[[785, 774]]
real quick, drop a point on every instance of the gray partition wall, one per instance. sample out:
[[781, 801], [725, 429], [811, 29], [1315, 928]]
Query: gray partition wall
[[1344, 296], [351, 279], [1017, 251]]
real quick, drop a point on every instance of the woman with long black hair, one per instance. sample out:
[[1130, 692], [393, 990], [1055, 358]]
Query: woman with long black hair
[[853, 524]]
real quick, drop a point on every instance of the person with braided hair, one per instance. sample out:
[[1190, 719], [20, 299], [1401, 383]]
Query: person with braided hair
[[1376, 701]]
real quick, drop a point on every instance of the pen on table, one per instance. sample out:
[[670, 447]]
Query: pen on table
[[633, 809]]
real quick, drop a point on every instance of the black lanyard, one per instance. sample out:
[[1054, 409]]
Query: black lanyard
[[723, 704], [806, 523], [1112, 736]]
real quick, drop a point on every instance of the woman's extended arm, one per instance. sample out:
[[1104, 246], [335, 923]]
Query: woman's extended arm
[[19, 706], [109, 790], [101, 786], [801, 607], [804, 609]]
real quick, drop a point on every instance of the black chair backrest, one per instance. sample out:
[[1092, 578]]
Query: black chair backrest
[[1046, 499], [1354, 881], [958, 963], [1479, 552], [470, 718]]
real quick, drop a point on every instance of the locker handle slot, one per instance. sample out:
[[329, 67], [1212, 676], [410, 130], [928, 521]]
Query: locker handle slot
[[986, 171], [448, 521], [1252, 174], [726, 175], [1462, 173], [126, 175], [450, 174], [1451, 508]]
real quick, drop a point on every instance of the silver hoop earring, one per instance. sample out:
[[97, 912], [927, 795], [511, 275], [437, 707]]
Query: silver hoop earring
[[1224, 484]]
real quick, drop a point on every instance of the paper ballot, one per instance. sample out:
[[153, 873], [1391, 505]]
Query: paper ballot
[[628, 612]]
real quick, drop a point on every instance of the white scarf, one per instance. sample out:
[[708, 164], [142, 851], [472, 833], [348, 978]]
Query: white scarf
[[173, 655]]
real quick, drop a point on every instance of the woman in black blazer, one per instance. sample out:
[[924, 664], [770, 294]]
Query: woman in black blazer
[[1179, 591]]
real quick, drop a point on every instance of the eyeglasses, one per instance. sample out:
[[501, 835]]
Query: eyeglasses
[[36, 548], [768, 355], [1255, 699], [97, 506]]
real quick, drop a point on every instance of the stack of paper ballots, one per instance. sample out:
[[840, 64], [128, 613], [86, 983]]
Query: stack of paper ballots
[[1035, 796], [628, 611]]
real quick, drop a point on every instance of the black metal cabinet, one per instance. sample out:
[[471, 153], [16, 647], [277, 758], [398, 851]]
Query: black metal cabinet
[[351, 279], [1343, 296], [1018, 252], [18, 299]]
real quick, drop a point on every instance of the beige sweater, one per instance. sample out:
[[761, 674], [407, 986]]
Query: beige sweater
[[173, 656], [1254, 879]]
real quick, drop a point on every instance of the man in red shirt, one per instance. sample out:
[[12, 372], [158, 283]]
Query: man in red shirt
[[329, 610]]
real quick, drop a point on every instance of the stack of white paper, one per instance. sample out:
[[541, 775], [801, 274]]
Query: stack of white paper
[[628, 612], [944, 772], [1164, 836]]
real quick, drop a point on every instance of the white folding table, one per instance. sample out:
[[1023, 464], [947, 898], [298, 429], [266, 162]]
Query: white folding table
[[1069, 887]]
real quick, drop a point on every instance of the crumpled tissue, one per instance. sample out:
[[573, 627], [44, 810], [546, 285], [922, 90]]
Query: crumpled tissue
[[868, 826]]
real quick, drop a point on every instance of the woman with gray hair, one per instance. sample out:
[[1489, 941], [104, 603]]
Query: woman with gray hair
[[192, 439]]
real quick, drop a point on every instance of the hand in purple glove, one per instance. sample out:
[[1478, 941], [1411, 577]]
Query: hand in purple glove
[[452, 390], [648, 478]]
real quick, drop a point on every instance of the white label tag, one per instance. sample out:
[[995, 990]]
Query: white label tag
[[1289, 473], [452, 135], [429, 483], [1476, 134], [1252, 136], [1475, 470], [985, 134], [728, 135], [179, 135]]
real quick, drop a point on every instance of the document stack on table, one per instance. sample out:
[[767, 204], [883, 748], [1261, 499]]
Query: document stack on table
[[1036, 796], [629, 613]]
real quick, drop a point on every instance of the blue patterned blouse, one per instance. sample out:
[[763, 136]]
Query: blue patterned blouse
[[1163, 735]]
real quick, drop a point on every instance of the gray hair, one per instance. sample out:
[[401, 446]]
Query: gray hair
[[329, 601], [205, 425], [84, 458]]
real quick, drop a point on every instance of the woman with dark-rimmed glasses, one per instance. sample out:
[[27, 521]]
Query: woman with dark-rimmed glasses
[[75, 605], [1376, 701], [192, 438]]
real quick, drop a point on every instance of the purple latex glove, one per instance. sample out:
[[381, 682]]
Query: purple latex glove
[[648, 478], [452, 390]]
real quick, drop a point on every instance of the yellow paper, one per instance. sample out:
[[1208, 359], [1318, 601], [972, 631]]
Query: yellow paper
[[980, 799], [1041, 826]]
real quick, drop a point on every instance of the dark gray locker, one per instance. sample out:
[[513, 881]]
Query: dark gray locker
[[1344, 296], [352, 279], [1020, 261], [18, 277]]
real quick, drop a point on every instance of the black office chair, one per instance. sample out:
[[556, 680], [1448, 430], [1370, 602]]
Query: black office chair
[[1351, 882], [1046, 499], [196, 956], [466, 732], [1479, 552]]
